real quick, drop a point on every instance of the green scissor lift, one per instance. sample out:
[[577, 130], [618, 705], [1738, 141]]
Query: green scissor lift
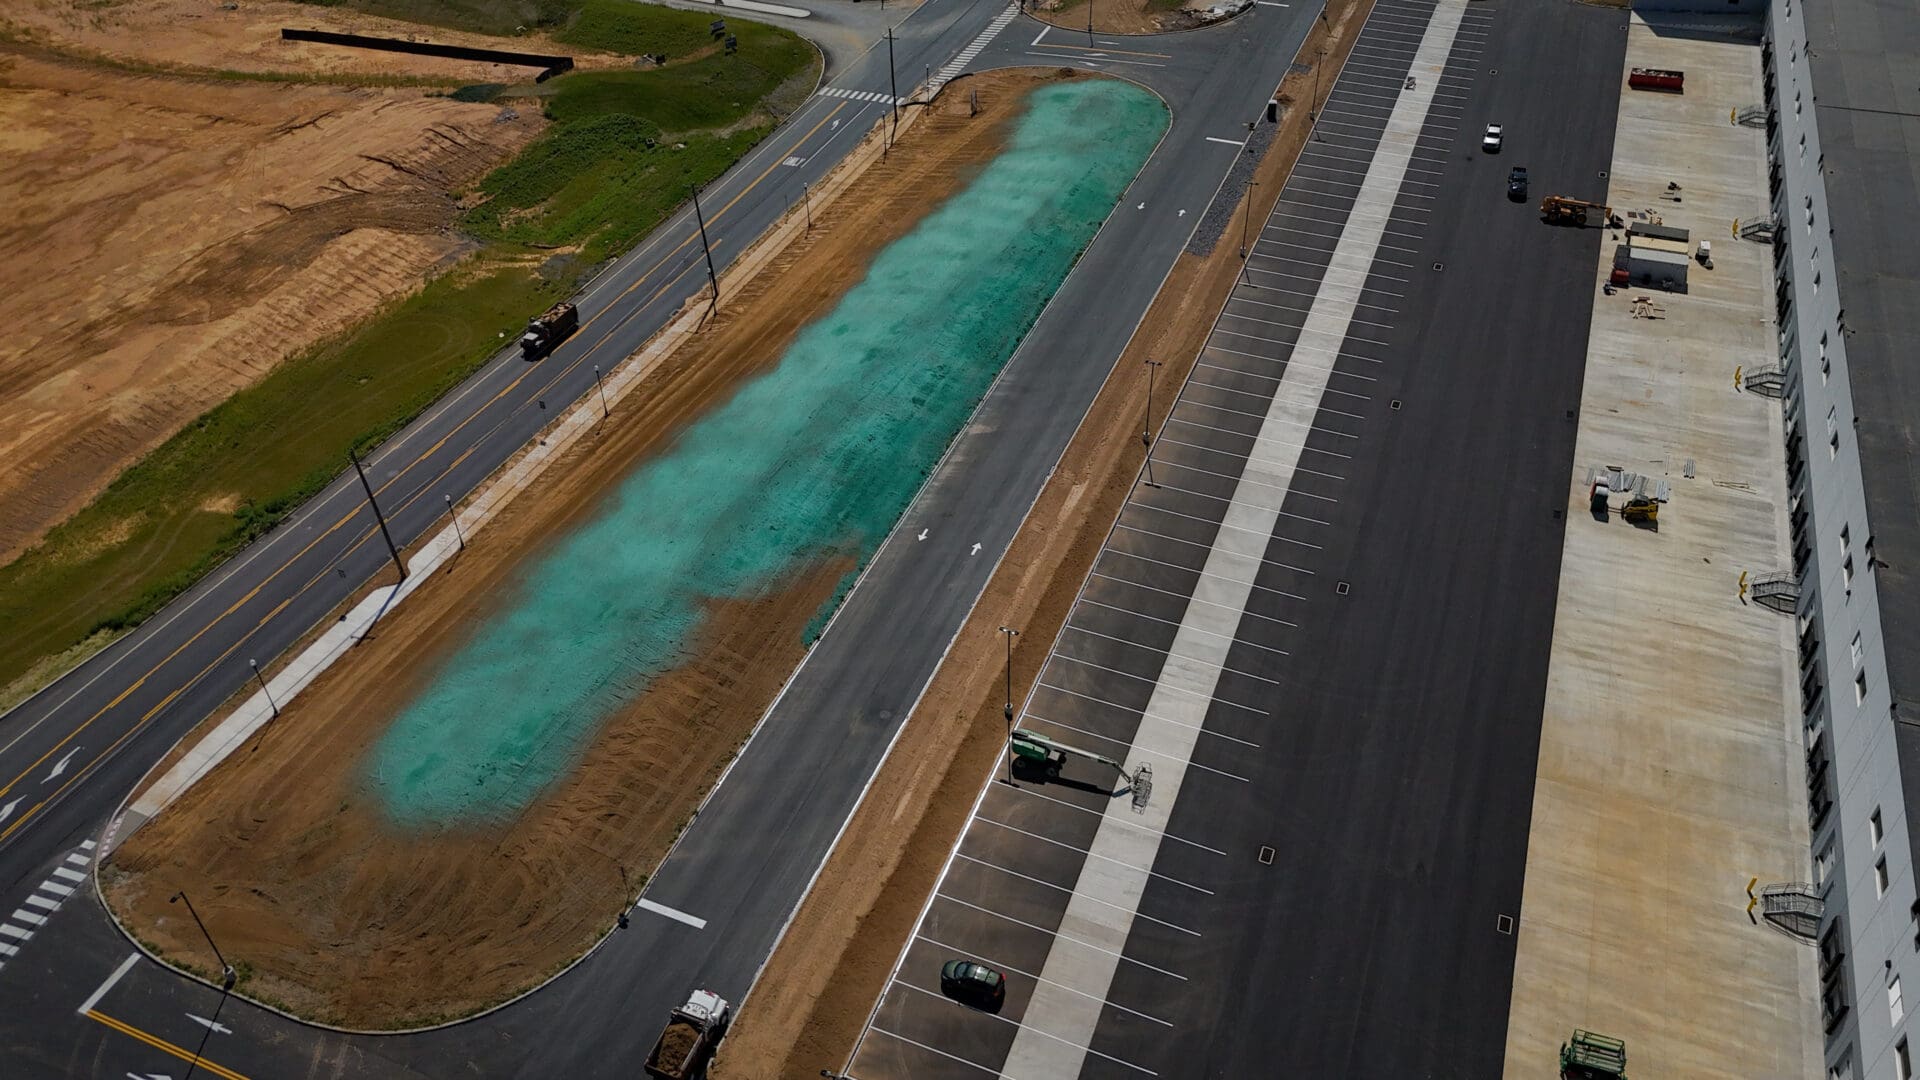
[[1048, 755], [1588, 1056]]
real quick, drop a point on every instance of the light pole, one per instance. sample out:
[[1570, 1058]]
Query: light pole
[[605, 410], [1313, 107], [226, 980], [712, 278], [1011, 633], [1247, 198], [1146, 422], [1089, 22], [806, 201], [377, 515], [255, 665], [893, 86], [455, 518]]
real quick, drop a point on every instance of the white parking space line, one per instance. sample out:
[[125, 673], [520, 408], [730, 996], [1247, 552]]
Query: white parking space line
[[963, 856], [1082, 1047], [1150, 588], [995, 962], [878, 1030], [1196, 543], [1129, 612], [1242, 412], [1142, 646], [1059, 936], [1149, 753], [1207, 573], [1084, 663]]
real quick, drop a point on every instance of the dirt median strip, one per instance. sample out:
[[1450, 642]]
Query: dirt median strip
[[812, 999], [347, 919]]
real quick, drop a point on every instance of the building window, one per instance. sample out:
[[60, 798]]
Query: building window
[[1902, 1061], [1874, 829], [1880, 886], [1846, 531], [1823, 864], [1894, 1006], [1846, 576], [1826, 365], [1860, 688], [1803, 145]]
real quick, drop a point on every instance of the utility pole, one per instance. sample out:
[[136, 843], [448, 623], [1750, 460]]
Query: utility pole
[[893, 85], [455, 518], [806, 200], [605, 410], [377, 515], [1011, 633], [255, 665], [1146, 424], [712, 278]]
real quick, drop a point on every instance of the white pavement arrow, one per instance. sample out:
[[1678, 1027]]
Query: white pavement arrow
[[922, 536], [1183, 213], [60, 766], [1142, 206], [7, 810], [214, 1024], [976, 549]]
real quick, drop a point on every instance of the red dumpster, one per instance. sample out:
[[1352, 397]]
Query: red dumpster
[[1657, 79]]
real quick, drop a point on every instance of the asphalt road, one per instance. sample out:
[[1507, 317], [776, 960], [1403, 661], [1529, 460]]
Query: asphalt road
[[1327, 901], [72, 753]]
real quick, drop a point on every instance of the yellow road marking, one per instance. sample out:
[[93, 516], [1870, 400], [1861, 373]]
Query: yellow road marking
[[349, 516], [159, 1043], [1104, 49]]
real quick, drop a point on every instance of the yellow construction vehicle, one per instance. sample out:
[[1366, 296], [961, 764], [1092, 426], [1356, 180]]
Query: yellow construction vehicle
[[1641, 508], [1562, 210]]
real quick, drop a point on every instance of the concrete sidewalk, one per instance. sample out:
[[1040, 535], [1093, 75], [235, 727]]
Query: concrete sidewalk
[[1670, 768]]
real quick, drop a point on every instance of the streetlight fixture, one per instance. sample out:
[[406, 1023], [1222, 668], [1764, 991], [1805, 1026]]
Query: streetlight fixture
[[1010, 633], [1246, 198], [455, 518], [806, 201], [255, 665], [712, 278]]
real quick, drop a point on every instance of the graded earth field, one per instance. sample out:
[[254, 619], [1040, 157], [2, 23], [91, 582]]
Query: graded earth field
[[568, 692]]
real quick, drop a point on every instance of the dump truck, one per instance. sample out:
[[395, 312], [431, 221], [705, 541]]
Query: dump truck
[[693, 1030], [546, 331], [1562, 210], [1657, 79], [1588, 1056]]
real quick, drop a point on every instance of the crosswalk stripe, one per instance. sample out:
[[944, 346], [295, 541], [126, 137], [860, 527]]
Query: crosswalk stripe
[[56, 888], [43, 903], [13, 931]]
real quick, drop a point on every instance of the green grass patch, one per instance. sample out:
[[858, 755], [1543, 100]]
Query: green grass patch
[[165, 522], [601, 177]]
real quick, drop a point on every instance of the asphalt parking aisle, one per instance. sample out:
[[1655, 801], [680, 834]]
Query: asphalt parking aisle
[[1010, 893]]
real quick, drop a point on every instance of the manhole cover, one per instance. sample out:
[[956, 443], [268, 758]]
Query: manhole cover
[[1395, 405], [1439, 266], [1342, 588], [1603, 174]]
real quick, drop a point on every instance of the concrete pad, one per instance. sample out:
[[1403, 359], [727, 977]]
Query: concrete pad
[[1670, 764]]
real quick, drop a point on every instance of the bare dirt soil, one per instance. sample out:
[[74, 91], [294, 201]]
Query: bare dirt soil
[[188, 234], [204, 34], [345, 918], [1122, 16], [812, 1000]]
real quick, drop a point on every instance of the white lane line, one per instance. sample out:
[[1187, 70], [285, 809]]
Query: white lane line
[[1179, 685], [1038, 36], [1229, 142], [672, 913], [1084, 1048]]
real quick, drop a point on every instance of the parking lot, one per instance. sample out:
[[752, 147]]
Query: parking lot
[[1112, 918]]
